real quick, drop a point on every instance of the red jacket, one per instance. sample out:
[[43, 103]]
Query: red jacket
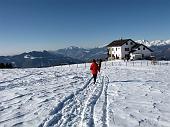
[[94, 68]]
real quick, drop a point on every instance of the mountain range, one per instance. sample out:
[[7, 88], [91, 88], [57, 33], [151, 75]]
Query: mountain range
[[154, 43], [38, 59], [70, 55], [83, 54], [74, 55]]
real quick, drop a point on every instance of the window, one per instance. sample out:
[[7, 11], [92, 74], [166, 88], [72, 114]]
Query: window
[[143, 48], [117, 56], [131, 43], [126, 49], [126, 56], [138, 48], [126, 43], [116, 49]]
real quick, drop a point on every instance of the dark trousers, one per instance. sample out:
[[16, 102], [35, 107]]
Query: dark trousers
[[94, 77]]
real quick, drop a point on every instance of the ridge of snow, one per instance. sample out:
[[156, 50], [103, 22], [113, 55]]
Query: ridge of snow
[[30, 57], [154, 43], [73, 47]]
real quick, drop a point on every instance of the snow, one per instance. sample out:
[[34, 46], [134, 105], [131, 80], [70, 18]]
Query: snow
[[72, 47], [126, 94], [87, 51], [154, 43], [29, 57]]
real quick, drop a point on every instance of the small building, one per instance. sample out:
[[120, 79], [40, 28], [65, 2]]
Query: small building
[[127, 49]]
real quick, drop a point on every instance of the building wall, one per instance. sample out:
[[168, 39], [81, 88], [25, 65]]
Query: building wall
[[113, 52], [135, 56], [145, 52], [109, 53], [129, 45], [116, 51]]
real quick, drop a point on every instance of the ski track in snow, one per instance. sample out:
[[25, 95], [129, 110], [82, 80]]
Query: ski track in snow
[[63, 112], [20, 100], [87, 113], [78, 110], [105, 104]]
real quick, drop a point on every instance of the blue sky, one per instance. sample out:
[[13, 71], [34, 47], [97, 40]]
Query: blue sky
[[27, 25]]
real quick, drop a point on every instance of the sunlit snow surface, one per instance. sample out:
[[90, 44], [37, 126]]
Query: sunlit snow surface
[[129, 94]]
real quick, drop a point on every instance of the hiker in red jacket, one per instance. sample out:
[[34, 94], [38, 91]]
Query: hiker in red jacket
[[94, 69]]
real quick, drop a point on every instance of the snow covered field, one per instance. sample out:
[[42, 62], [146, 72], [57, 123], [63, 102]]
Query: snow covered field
[[125, 95]]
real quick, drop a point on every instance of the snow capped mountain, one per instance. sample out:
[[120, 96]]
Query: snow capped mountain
[[73, 47], [154, 43]]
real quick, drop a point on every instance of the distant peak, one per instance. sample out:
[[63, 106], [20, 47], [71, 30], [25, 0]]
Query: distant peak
[[154, 43], [73, 47]]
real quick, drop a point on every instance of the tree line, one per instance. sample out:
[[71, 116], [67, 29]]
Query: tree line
[[5, 65]]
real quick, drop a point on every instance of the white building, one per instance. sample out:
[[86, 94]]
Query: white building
[[127, 49]]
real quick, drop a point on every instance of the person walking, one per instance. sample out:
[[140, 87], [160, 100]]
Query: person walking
[[100, 63], [94, 70]]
